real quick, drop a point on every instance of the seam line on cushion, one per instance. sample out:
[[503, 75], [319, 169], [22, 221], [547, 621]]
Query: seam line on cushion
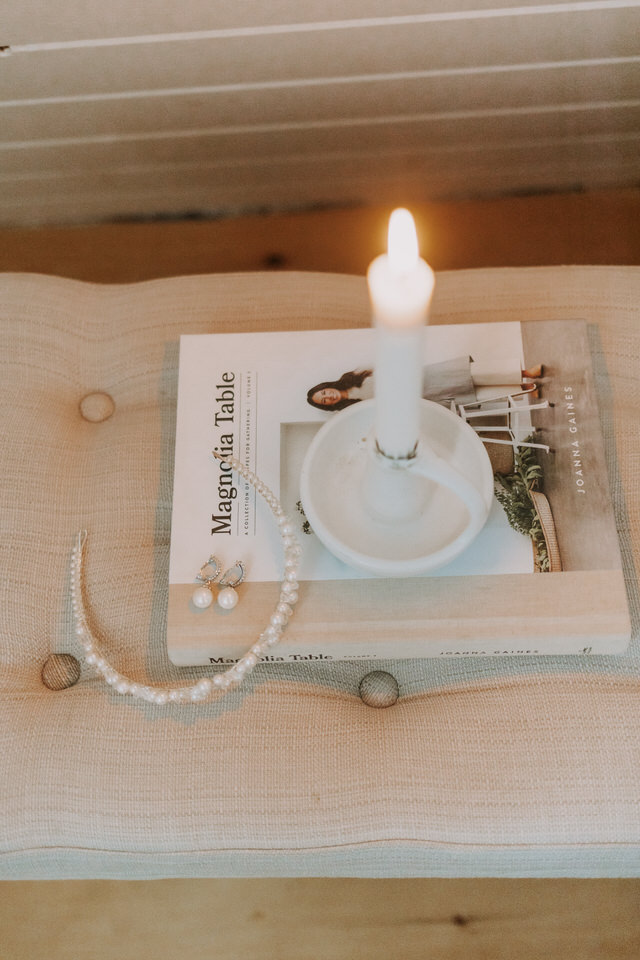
[[443, 844]]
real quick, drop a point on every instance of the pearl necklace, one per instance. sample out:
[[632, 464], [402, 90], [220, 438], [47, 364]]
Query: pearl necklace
[[219, 682]]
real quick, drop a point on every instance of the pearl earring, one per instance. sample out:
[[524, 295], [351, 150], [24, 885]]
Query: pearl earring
[[202, 597], [227, 597]]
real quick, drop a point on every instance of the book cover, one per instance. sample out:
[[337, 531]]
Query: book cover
[[544, 575]]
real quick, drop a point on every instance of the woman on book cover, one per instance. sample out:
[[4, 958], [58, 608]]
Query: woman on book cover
[[460, 379]]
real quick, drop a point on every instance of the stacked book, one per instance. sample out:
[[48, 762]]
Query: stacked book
[[543, 577]]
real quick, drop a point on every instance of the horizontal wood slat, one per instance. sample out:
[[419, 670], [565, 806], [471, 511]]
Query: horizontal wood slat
[[529, 148], [259, 146], [525, 89], [31, 22]]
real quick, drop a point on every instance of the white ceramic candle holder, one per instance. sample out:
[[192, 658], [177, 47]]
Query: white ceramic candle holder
[[396, 518]]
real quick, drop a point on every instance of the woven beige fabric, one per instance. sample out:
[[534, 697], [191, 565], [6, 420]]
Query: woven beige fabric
[[499, 767]]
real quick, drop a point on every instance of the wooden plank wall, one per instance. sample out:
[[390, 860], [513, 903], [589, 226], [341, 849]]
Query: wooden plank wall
[[126, 109]]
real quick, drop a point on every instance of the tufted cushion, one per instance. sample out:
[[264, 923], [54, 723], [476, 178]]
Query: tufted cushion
[[509, 767]]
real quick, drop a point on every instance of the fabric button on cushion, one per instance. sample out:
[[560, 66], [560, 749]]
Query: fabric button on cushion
[[379, 689], [97, 407], [60, 671]]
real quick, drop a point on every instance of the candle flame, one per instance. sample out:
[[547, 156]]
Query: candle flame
[[403, 242]]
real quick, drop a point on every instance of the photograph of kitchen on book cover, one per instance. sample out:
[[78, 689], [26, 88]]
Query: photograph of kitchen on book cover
[[544, 575]]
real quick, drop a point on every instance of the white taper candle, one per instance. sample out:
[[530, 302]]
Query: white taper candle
[[400, 287]]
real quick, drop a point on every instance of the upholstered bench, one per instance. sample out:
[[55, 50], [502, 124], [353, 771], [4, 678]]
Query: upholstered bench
[[496, 767]]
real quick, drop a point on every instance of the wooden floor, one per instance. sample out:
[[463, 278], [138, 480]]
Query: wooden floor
[[321, 920], [316, 919], [581, 228]]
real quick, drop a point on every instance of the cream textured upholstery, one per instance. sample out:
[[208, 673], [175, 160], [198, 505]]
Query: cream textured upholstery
[[505, 767]]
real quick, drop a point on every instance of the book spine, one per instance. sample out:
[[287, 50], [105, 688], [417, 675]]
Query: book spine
[[399, 650]]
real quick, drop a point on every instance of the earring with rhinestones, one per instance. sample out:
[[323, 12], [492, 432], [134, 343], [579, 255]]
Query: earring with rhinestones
[[227, 596], [202, 596]]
